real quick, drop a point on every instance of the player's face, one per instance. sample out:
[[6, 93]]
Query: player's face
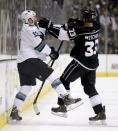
[[88, 19]]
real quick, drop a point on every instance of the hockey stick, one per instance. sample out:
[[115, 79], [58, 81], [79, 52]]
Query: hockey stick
[[36, 98]]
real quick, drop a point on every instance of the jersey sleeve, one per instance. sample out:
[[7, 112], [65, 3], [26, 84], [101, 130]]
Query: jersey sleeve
[[36, 37], [72, 33], [43, 48], [37, 40], [59, 32]]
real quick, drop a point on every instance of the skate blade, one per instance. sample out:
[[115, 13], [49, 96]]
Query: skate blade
[[13, 121], [60, 114], [73, 106], [99, 122]]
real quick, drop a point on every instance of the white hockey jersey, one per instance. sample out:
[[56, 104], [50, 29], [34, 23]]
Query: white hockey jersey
[[30, 39]]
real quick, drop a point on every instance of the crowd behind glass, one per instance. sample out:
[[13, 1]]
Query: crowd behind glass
[[58, 11]]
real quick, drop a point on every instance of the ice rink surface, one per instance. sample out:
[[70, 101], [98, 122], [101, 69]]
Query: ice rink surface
[[77, 119]]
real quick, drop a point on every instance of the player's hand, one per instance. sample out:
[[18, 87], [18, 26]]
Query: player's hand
[[71, 23], [54, 54], [44, 23], [74, 23]]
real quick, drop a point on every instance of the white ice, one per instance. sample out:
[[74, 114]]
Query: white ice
[[77, 119]]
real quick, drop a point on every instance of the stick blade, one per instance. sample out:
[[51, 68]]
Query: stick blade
[[36, 109]]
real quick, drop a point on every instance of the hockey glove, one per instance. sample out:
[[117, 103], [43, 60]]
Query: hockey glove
[[44, 23], [70, 23], [74, 23], [54, 54]]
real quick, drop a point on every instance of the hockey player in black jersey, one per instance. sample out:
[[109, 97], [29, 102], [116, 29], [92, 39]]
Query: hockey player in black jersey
[[85, 34]]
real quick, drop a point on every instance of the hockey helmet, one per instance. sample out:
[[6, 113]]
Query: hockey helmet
[[28, 17], [89, 15]]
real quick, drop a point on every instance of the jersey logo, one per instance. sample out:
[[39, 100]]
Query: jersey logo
[[36, 34], [72, 33]]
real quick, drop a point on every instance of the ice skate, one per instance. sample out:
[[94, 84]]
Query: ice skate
[[72, 103], [59, 111], [14, 115], [100, 118]]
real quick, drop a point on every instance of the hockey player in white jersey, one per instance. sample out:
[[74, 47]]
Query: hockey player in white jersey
[[30, 65]]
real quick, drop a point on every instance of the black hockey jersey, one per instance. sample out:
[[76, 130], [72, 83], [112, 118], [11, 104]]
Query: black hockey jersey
[[85, 50]]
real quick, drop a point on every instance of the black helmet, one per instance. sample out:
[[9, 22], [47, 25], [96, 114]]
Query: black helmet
[[89, 15]]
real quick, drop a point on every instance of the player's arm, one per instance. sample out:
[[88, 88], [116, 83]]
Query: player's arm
[[37, 37], [74, 26], [66, 32], [38, 44], [58, 31]]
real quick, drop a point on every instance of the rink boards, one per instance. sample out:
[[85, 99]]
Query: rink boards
[[9, 83]]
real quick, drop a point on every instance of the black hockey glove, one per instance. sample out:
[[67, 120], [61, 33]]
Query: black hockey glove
[[54, 54], [44, 23], [74, 23], [70, 23]]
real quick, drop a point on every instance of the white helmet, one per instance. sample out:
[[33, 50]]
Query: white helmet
[[27, 15]]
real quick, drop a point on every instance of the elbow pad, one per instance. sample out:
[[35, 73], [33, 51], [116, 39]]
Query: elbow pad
[[43, 48], [54, 31]]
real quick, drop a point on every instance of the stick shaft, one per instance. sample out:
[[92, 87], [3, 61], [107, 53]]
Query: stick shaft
[[35, 100]]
